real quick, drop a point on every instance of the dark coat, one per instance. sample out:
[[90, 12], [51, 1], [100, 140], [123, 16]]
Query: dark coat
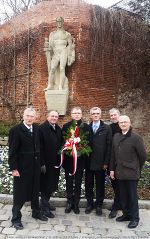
[[101, 143], [51, 141], [115, 128], [83, 161], [24, 155], [128, 156]]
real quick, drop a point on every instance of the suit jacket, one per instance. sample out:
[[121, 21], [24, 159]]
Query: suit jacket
[[101, 143]]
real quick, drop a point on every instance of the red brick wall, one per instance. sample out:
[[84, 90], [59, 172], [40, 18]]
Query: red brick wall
[[97, 83]]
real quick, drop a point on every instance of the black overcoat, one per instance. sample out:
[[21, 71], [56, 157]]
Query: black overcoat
[[83, 161], [128, 155], [24, 155], [101, 143], [51, 141]]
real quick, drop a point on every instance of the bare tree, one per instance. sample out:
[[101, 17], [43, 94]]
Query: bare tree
[[141, 7], [11, 8]]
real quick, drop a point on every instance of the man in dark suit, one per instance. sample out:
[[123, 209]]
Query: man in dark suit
[[24, 162], [114, 117], [100, 139], [51, 141], [127, 158], [73, 183]]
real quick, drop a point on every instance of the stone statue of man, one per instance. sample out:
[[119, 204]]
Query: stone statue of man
[[60, 51]]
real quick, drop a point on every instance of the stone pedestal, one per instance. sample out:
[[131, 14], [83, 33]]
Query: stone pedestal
[[57, 100]]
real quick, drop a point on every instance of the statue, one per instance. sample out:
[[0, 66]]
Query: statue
[[60, 51]]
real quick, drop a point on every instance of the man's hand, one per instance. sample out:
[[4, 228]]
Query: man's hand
[[112, 175], [43, 169], [15, 173]]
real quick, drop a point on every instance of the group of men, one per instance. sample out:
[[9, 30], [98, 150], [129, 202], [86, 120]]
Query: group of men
[[34, 156]]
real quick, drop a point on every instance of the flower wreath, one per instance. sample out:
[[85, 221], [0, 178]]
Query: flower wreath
[[76, 144]]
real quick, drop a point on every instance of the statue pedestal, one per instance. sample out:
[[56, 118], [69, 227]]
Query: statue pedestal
[[57, 100]]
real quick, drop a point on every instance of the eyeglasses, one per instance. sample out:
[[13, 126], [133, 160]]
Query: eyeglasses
[[77, 113]]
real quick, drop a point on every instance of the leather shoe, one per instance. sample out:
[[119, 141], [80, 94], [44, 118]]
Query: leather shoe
[[68, 208], [123, 218], [76, 209], [18, 225], [48, 214], [98, 211], [133, 224], [113, 214], [40, 216], [89, 209]]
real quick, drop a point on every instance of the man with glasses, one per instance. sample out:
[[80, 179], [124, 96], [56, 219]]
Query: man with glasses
[[73, 183], [101, 139], [128, 157]]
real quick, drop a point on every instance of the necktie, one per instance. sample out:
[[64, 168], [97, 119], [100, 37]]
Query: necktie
[[94, 128]]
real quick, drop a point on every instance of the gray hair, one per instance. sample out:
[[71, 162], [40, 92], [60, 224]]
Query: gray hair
[[29, 109], [124, 117], [114, 110], [95, 108], [49, 111]]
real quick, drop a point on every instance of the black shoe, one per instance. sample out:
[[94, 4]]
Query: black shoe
[[18, 225], [113, 213], [123, 218], [40, 216], [76, 209], [98, 211], [48, 214], [68, 208], [133, 224], [89, 209]]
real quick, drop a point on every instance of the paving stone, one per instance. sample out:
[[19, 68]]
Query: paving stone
[[84, 218], [4, 217], [142, 234], [7, 207], [6, 223], [86, 230], [67, 222], [45, 227], [22, 232], [2, 211], [59, 228], [2, 236], [8, 230], [72, 229]]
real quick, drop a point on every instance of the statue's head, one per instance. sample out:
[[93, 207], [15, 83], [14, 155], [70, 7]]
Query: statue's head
[[59, 21]]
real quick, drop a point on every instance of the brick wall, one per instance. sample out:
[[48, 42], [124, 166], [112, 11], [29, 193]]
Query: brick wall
[[97, 83]]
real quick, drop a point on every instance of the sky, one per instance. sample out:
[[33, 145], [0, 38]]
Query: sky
[[103, 3]]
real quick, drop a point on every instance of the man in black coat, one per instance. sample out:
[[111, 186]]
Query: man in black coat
[[51, 141], [24, 162], [127, 158], [114, 117], [101, 139], [73, 183]]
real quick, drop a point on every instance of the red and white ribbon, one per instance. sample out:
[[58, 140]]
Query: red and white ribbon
[[70, 144]]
